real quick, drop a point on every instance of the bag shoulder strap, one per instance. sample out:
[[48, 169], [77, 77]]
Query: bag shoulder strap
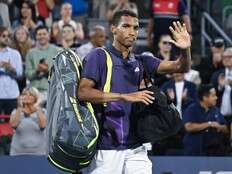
[[109, 65]]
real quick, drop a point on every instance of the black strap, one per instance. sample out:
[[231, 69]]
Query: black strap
[[146, 75]]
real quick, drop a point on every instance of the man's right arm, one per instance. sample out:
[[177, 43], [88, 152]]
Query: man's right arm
[[87, 92]]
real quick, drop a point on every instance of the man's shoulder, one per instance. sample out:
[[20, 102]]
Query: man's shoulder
[[12, 50], [95, 54], [87, 45]]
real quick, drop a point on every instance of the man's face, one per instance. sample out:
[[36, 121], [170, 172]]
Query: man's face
[[4, 39], [227, 60], [66, 10], [68, 33], [99, 38], [126, 32], [211, 99], [164, 44], [42, 37]]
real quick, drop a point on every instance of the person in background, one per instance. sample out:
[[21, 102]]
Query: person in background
[[66, 18], [97, 39], [205, 125], [11, 68], [56, 35], [27, 17], [29, 122], [39, 60], [213, 63], [120, 5], [22, 42], [222, 81], [162, 14], [4, 13], [69, 37], [193, 76], [181, 92], [164, 53]]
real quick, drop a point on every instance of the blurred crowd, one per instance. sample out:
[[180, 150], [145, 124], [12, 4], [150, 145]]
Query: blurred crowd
[[32, 32]]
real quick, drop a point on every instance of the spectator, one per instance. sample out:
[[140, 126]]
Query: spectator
[[182, 92], [56, 36], [10, 69], [222, 80], [163, 14], [56, 9], [193, 76], [22, 42], [69, 37], [44, 8], [66, 18], [4, 13], [212, 64], [205, 126], [39, 60], [120, 5], [27, 17], [164, 53], [97, 39], [29, 122]]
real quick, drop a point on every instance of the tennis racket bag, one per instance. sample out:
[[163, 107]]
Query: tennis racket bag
[[72, 129]]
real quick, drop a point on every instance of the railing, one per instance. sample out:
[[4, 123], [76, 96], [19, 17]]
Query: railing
[[205, 36]]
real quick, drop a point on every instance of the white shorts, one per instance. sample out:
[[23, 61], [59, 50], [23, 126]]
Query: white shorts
[[128, 161]]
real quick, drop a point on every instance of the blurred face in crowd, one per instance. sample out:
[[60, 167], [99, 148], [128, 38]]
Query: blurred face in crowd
[[26, 10], [227, 58], [126, 32], [4, 39], [42, 37], [99, 38], [210, 99], [68, 33], [178, 77], [66, 10], [164, 44], [21, 34]]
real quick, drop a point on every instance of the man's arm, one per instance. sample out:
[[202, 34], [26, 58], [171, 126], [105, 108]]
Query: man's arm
[[187, 22], [87, 92], [196, 127], [183, 41], [181, 65]]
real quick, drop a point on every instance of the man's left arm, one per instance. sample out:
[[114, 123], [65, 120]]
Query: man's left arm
[[183, 41]]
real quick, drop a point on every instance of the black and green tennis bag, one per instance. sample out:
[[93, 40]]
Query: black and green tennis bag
[[72, 129]]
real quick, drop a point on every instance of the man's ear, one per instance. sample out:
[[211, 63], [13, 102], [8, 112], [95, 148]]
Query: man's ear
[[113, 29]]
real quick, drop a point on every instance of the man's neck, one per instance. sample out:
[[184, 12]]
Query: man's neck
[[2, 48], [43, 47], [68, 43], [204, 105], [66, 19], [124, 50]]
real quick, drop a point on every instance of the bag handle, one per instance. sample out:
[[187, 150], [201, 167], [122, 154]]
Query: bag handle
[[146, 75]]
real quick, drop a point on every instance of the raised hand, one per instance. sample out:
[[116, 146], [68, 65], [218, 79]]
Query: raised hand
[[181, 36]]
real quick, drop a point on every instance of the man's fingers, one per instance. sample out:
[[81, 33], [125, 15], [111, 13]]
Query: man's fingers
[[172, 30], [177, 29]]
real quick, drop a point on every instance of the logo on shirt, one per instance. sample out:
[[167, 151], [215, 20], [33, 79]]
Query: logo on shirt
[[137, 69]]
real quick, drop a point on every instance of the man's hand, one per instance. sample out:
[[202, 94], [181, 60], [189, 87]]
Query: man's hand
[[140, 96], [181, 36], [42, 67]]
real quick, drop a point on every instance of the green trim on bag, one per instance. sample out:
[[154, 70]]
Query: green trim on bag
[[59, 166], [89, 106]]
